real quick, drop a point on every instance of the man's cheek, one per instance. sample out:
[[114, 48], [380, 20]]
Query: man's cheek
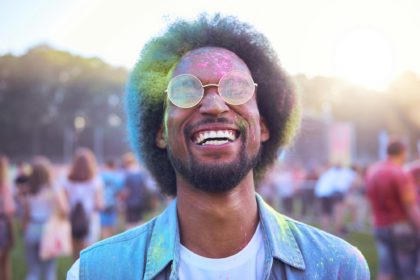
[[170, 122], [174, 136]]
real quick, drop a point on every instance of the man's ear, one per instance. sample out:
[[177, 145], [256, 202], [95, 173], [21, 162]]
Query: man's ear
[[265, 132], [160, 138]]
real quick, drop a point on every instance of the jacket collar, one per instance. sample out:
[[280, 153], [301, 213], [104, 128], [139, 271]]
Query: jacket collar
[[164, 241], [278, 230]]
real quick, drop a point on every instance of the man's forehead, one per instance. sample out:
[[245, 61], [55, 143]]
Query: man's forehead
[[218, 60]]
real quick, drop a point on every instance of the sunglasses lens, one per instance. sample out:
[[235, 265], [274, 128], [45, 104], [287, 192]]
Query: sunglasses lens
[[236, 88], [185, 91]]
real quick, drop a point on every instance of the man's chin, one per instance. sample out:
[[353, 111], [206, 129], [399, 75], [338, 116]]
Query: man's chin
[[217, 178], [214, 177]]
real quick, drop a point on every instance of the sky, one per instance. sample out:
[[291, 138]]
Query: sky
[[367, 42]]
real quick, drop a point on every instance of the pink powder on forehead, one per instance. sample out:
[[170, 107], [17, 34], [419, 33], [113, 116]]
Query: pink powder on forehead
[[219, 61]]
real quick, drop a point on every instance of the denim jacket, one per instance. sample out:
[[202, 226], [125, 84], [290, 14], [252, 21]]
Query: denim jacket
[[293, 250]]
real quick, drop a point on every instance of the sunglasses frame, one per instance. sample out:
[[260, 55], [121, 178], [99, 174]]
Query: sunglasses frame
[[211, 85]]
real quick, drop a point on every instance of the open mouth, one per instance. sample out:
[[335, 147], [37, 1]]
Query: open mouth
[[215, 137]]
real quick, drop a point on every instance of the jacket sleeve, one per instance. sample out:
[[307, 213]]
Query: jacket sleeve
[[354, 267]]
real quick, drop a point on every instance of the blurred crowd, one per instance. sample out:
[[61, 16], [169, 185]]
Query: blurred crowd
[[382, 199], [100, 201], [329, 195], [93, 202]]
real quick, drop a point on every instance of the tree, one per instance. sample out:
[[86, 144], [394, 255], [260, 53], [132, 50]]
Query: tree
[[42, 93]]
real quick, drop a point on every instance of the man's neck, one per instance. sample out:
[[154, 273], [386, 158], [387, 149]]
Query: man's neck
[[217, 225], [397, 160]]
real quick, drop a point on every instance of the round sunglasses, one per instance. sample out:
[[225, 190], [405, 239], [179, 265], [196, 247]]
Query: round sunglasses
[[186, 90]]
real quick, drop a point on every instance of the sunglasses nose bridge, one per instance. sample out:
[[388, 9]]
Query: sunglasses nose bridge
[[212, 103], [210, 88], [216, 86]]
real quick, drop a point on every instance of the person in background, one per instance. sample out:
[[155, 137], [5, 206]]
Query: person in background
[[356, 205], [396, 214], [267, 190], [39, 203], [7, 209], [325, 189], [285, 188], [414, 169], [113, 183], [22, 175], [345, 177], [136, 193], [21, 185], [332, 188], [84, 190], [307, 193]]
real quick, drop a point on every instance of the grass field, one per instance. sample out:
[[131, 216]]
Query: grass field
[[363, 241], [366, 244]]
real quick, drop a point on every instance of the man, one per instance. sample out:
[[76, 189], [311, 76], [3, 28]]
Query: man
[[396, 215], [138, 192], [113, 184], [205, 132]]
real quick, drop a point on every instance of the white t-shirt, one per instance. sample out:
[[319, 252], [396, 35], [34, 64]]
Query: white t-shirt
[[334, 180], [246, 264], [85, 192], [326, 184]]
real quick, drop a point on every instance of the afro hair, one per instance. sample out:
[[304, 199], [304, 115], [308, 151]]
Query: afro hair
[[145, 98]]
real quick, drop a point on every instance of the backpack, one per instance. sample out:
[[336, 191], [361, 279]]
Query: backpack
[[137, 189], [79, 221]]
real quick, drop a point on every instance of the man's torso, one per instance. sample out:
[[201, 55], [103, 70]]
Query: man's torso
[[292, 251], [387, 185]]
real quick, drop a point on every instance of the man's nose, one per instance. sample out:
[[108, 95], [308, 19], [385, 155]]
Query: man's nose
[[212, 103]]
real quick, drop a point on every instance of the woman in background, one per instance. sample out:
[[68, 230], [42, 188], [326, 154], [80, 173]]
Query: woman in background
[[7, 208], [84, 189], [41, 200], [23, 170]]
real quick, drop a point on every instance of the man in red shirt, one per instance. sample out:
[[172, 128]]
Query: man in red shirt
[[396, 215]]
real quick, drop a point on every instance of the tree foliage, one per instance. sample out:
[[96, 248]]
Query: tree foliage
[[42, 93]]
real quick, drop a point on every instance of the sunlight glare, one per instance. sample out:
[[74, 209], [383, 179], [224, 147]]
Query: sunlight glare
[[365, 57]]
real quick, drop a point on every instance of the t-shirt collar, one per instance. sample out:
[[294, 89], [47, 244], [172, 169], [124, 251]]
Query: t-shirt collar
[[164, 241], [278, 232]]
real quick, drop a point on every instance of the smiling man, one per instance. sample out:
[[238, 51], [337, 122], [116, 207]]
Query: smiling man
[[208, 107]]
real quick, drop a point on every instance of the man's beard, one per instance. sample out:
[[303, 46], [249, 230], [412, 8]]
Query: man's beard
[[215, 178]]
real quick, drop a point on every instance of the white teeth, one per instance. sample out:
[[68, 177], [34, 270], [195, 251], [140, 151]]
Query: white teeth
[[215, 142], [210, 137]]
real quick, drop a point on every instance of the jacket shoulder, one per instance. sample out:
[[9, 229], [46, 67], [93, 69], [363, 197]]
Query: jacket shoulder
[[327, 254], [104, 259]]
